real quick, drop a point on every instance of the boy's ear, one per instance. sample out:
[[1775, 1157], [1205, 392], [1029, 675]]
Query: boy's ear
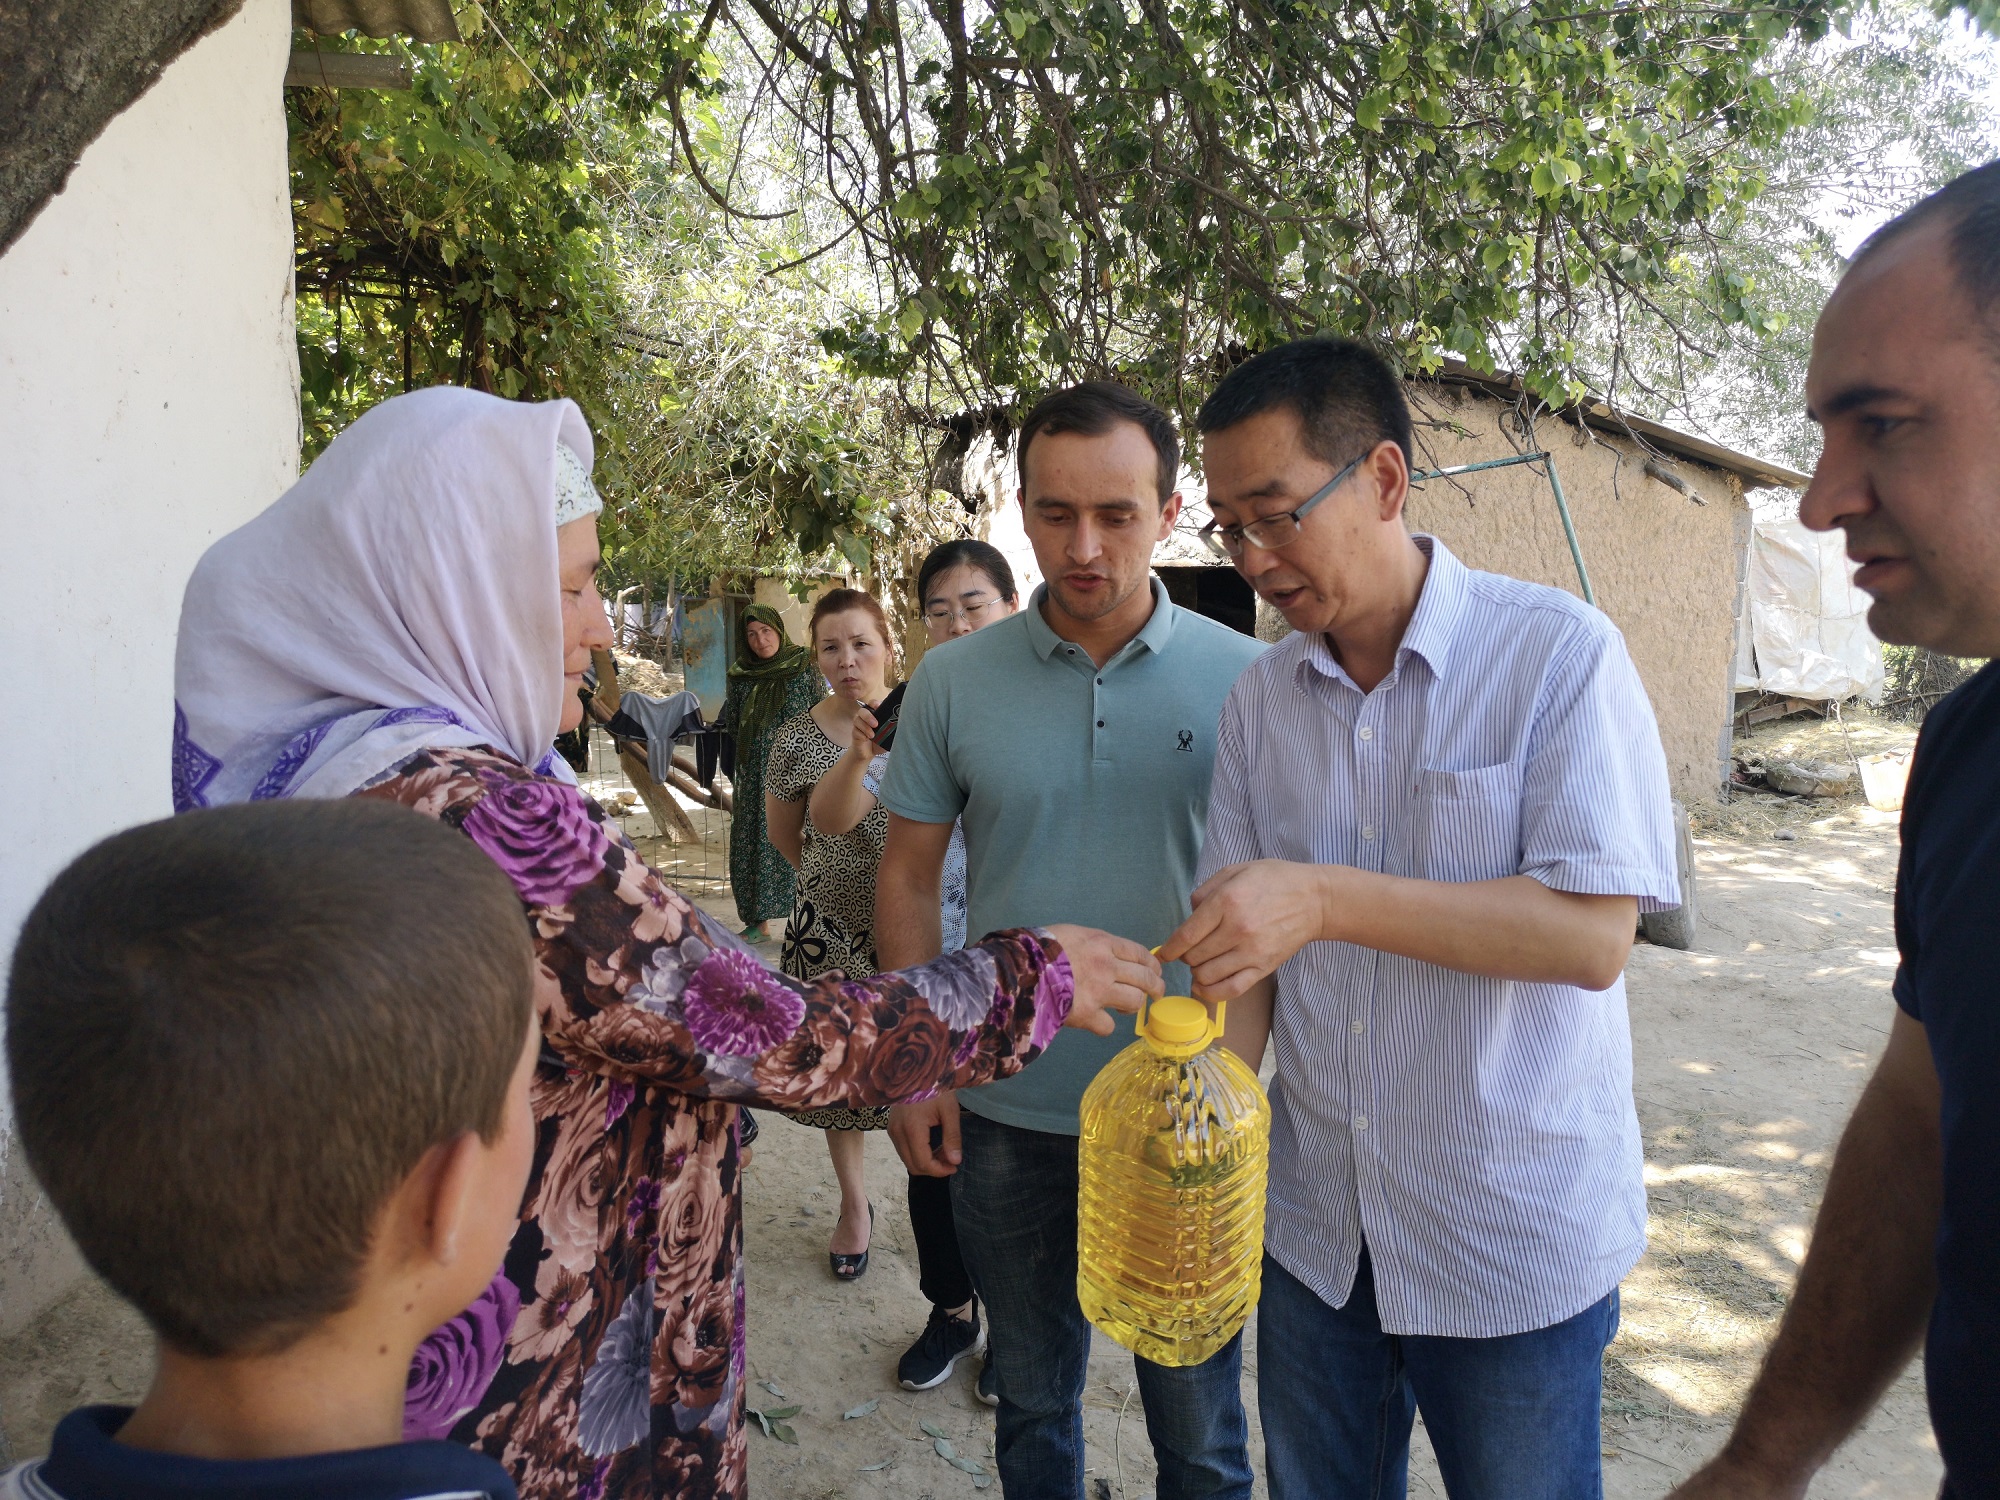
[[450, 1180]]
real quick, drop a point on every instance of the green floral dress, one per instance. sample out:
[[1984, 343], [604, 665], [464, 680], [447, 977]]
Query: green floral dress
[[758, 874]]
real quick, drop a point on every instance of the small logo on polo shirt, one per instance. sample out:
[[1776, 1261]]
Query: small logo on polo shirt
[[1187, 741]]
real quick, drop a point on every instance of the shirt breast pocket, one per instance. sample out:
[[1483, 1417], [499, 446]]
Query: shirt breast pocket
[[1468, 824]]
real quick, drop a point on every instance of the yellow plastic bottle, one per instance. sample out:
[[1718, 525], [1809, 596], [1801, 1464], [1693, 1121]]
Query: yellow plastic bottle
[[1170, 1217]]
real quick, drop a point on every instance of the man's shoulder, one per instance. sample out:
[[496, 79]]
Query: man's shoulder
[[1004, 643], [1954, 751], [1491, 594], [1211, 641], [1512, 621], [1971, 708], [1273, 665]]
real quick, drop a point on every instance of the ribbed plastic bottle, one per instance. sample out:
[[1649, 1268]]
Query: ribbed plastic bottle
[[1172, 1165]]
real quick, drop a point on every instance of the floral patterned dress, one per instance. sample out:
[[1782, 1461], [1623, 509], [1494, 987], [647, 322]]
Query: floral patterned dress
[[607, 1360]]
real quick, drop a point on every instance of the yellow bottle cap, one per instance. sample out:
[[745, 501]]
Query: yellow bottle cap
[[1177, 1025]]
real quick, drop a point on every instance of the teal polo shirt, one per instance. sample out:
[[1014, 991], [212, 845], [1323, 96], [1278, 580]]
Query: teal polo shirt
[[1084, 792]]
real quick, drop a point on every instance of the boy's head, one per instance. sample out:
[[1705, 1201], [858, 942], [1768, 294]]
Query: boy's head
[[259, 1053]]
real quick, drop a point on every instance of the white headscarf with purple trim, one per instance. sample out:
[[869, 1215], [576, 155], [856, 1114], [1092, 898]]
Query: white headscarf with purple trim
[[403, 594]]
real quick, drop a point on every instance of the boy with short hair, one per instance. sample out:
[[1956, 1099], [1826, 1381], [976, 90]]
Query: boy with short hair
[[271, 1064]]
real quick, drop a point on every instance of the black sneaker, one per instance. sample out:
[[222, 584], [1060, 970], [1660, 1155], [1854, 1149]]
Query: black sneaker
[[988, 1389], [945, 1340]]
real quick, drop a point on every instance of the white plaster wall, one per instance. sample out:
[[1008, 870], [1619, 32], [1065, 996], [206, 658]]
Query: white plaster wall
[[148, 404]]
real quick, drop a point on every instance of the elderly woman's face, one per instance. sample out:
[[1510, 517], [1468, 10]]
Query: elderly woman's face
[[763, 640], [583, 620]]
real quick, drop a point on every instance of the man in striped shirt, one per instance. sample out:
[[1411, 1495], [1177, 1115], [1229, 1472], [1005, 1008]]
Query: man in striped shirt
[[1437, 811]]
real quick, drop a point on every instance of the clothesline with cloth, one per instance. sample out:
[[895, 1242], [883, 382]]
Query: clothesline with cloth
[[644, 729], [674, 720]]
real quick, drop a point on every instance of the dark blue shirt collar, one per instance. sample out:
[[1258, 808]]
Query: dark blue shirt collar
[[86, 1463]]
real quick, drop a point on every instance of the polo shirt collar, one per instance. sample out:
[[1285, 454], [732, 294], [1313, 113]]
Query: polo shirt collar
[[86, 1462], [1154, 635], [1431, 630]]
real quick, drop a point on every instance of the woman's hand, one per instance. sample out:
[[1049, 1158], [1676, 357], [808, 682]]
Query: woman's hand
[[862, 745], [840, 799], [1109, 973]]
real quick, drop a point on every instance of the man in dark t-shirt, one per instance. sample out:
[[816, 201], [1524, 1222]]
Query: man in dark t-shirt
[[1947, 888], [1905, 383]]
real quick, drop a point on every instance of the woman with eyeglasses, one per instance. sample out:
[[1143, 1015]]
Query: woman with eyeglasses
[[964, 585]]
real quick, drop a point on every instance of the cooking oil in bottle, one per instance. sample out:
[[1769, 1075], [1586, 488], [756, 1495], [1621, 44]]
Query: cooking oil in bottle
[[1170, 1214]]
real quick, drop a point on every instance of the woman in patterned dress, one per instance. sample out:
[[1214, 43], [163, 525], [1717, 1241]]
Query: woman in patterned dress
[[832, 926], [770, 681], [409, 622]]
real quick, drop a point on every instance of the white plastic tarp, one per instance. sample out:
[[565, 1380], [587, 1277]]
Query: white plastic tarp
[[1806, 633]]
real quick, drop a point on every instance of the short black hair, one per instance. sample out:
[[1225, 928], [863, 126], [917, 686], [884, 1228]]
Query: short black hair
[[1096, 406], [1969, 208], [1346, 396], [232, 1035], [966, 552]]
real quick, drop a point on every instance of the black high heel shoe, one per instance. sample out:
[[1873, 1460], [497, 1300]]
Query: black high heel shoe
[[853, 1267]]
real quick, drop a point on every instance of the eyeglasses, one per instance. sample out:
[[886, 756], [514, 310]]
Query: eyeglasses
[[941, 613], [1269, 531]]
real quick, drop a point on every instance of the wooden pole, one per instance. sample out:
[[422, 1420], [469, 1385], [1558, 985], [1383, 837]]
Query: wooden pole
[[675, 826]]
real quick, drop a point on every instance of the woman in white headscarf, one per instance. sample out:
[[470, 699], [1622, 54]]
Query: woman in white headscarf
[[410, 622]]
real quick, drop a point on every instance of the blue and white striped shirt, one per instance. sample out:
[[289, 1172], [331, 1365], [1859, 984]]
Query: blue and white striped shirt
[[1479, 1134]]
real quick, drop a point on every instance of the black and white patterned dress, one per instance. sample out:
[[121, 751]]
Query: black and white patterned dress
[[832, 925]]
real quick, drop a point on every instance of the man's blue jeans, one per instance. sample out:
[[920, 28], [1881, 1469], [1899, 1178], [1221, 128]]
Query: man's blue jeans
[[1014, 1197], [1513, 1418]]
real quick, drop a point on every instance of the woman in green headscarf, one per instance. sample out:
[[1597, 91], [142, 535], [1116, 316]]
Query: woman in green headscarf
[[770, 681]]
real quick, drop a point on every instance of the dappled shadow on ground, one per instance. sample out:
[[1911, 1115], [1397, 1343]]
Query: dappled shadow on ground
[[1748, 1057]]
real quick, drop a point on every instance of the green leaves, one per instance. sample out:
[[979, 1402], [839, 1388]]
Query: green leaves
[[457, 232], [1552, 174], [1146, 190], [775, 1424]]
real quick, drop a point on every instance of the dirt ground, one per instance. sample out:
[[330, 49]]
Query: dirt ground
[[1749, 1054]]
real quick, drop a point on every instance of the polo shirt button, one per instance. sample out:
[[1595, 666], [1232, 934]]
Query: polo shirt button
[[1367, 732], [1100, 723], [1361, 1122]]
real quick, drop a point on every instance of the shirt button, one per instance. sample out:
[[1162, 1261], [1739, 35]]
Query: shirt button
[[1357, 1027], [1100, 723], [1361, 1122], [1100, 682], [1368, 833], [1367, 732]]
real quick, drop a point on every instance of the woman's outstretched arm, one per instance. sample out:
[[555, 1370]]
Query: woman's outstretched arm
[[636, 983]]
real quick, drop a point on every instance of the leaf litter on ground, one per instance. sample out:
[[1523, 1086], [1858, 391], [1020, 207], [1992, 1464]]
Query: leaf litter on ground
[[857, 1412], [774, 1423], [951, 1455]]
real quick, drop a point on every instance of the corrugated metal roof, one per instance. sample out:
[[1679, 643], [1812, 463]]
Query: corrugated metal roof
[[1753, 471], [425, 20]]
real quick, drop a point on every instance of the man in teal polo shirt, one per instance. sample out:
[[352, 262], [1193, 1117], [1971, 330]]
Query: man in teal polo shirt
[[1075, 740]]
